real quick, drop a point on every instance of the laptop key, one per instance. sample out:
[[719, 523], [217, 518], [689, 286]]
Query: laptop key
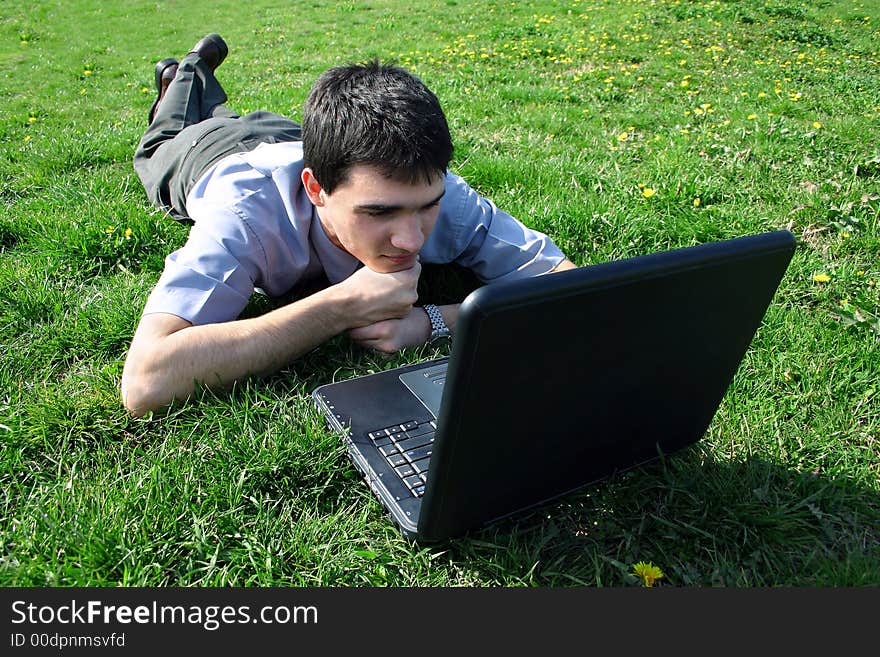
[[421, 465], [381, 442], [397, 437], [419, 453], [412, 443], [418, 491], [421, 430], [375, 435], [413, 481], [412, 424], [388, 450], [397, 459], [405, 471]]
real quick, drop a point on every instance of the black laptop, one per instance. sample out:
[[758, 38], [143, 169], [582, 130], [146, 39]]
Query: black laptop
[[557, 381]]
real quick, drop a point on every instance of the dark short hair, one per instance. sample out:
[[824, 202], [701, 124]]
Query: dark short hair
[[375, 114]]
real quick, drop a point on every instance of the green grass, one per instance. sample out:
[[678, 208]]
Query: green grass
[[565, 113]]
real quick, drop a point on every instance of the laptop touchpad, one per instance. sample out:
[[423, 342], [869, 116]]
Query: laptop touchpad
[[427, 385]]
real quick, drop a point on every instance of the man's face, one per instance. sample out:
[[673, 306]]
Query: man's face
[[381, 221]]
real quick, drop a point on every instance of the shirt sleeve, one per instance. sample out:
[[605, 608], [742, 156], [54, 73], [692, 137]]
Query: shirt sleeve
[[472, 232], [243, 237], [211, 278]]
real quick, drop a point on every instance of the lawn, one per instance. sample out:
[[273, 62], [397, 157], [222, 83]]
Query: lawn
[[619, 127]]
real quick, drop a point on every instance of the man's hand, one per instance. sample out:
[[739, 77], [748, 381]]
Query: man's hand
[[384, 317], [391, 335], [376, 297]]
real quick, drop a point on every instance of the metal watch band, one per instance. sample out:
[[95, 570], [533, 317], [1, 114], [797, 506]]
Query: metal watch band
[[438, 326]]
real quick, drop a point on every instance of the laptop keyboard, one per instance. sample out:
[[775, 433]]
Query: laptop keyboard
[[407, 447]]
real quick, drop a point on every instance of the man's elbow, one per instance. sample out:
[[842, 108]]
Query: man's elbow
[[140, 395], [565, 265]]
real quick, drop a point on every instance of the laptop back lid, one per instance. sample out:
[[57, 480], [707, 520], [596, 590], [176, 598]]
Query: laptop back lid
[[557, 381]]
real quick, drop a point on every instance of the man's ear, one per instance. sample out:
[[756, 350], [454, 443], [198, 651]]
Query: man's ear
[[313, 187]]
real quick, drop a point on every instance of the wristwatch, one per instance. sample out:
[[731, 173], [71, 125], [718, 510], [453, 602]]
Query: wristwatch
[[439, 329]]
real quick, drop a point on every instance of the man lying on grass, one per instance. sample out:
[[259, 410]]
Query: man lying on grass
[[349, 204]]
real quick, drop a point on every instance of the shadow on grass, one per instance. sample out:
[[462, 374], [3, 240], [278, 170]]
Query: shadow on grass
[[703, 522]]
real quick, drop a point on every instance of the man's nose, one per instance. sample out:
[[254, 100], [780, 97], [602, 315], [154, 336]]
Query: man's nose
[[408, 235]]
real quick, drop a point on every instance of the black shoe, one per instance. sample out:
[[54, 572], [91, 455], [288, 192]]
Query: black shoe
[[212, 49], [165, 72]]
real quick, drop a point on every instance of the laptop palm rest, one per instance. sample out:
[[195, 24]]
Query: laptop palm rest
[[427, 385]]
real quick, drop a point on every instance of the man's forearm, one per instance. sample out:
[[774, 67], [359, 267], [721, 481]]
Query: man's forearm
[[168, 355], [218, 354]]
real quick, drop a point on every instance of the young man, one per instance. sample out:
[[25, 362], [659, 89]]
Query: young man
[[351, 203]]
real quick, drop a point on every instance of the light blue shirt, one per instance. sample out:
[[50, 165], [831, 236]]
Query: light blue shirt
[[255, 228]]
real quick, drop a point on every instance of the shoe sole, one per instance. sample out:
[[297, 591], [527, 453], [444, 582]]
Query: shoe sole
[[159, 70], [218, 41]]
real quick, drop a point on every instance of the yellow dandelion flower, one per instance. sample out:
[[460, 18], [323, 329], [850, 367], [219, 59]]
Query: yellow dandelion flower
[[648, 192], [697, 202], [87, 72], [817, 125], [32, 119], [648, 572], [128, 233], [623, 136], [27, 137], [821, 278], [752, 117]]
